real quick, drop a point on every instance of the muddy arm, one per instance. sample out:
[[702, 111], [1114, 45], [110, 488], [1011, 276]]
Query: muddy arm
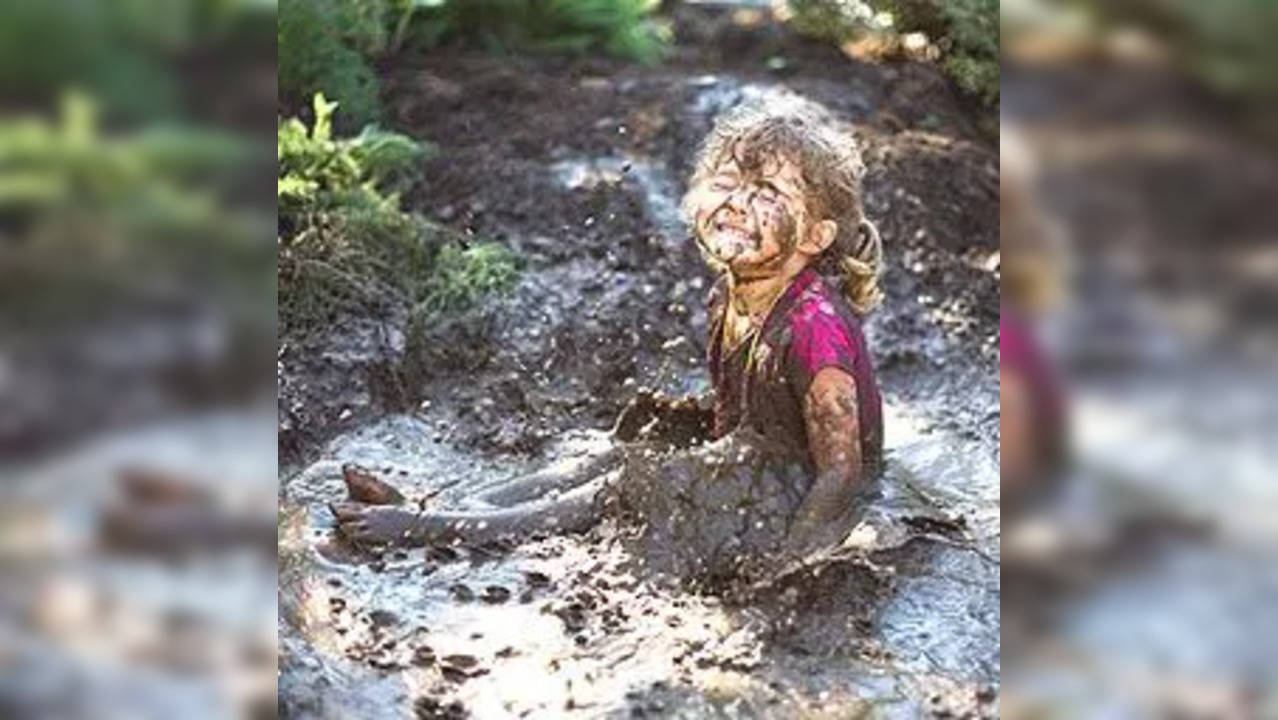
[[834, 440]]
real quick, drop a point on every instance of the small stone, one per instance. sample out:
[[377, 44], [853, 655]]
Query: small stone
[[383, 618], [462, 592], [424, 656], [496, 594], [460, 661]]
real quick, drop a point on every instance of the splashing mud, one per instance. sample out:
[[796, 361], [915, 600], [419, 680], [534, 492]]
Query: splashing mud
[[901, 621], [573, 626]]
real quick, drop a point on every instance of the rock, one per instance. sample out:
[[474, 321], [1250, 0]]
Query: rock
[[424, 656], [460, 661], [462, 592], [496, 594], [429, 708], [383, 618]]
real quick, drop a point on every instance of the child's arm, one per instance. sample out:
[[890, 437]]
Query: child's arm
[[834, 440]]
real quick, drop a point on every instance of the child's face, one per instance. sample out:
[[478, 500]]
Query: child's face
[[750, 222]]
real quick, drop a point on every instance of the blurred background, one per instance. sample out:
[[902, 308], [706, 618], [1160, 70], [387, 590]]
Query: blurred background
[[1139, 366], [137, 327]]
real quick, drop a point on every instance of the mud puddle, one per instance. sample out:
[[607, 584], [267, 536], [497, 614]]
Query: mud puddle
[[905, 623], [148, 632], [565, 626]]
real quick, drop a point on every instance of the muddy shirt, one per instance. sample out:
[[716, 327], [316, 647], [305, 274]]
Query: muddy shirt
[[763, 381]]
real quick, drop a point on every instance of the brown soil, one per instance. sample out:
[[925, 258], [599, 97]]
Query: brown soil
[[603, 296]]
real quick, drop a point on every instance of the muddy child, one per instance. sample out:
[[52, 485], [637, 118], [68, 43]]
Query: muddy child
[[795, 420]]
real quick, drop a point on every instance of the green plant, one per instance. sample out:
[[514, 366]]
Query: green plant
[[345, 242], [625, 28], [330, 46], [972, 51], [463, 275], [97, 221], [966, 31], [315, 55], [126, 54], [321, 173]]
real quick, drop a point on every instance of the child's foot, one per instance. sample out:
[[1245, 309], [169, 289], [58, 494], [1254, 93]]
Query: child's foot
[[363, 487], [365, 525]]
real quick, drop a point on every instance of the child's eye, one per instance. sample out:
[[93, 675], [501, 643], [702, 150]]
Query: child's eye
[[768, 195]]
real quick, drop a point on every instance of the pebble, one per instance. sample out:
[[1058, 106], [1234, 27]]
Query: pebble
[[424, 656], [383, 618], [496, 594]]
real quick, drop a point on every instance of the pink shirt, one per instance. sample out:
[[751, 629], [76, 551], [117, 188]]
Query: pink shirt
[[1019, 352], [811, 327]]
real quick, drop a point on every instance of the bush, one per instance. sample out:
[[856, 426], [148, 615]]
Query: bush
[[127, 55], [966, 31], [625, 28], [345, 242], [1228, 44], [463, 275], [314, 56], [331, 46], [972, 46], [142, 214]]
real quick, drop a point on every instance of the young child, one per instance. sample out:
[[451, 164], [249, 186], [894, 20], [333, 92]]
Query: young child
[[775, 206]]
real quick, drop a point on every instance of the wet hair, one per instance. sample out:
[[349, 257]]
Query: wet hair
[[832, 169]]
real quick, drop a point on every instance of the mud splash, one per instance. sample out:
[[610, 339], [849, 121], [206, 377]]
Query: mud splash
[[902, 622], [567, 626]]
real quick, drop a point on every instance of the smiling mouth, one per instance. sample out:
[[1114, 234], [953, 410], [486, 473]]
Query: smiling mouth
[[731, 240]]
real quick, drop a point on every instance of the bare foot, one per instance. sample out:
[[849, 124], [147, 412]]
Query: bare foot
[[363, 487], [365, 525]]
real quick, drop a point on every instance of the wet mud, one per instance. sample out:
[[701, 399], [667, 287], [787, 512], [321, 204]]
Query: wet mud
[[900, 621]]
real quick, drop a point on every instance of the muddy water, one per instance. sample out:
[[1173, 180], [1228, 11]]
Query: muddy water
[[149, 634], [565, 626], [902, 621], [1177, 613]]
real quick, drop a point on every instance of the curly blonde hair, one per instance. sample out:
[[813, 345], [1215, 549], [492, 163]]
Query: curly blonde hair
[[832, 170]]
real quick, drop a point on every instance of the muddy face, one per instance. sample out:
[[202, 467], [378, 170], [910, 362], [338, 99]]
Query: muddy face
[[749, 221]]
